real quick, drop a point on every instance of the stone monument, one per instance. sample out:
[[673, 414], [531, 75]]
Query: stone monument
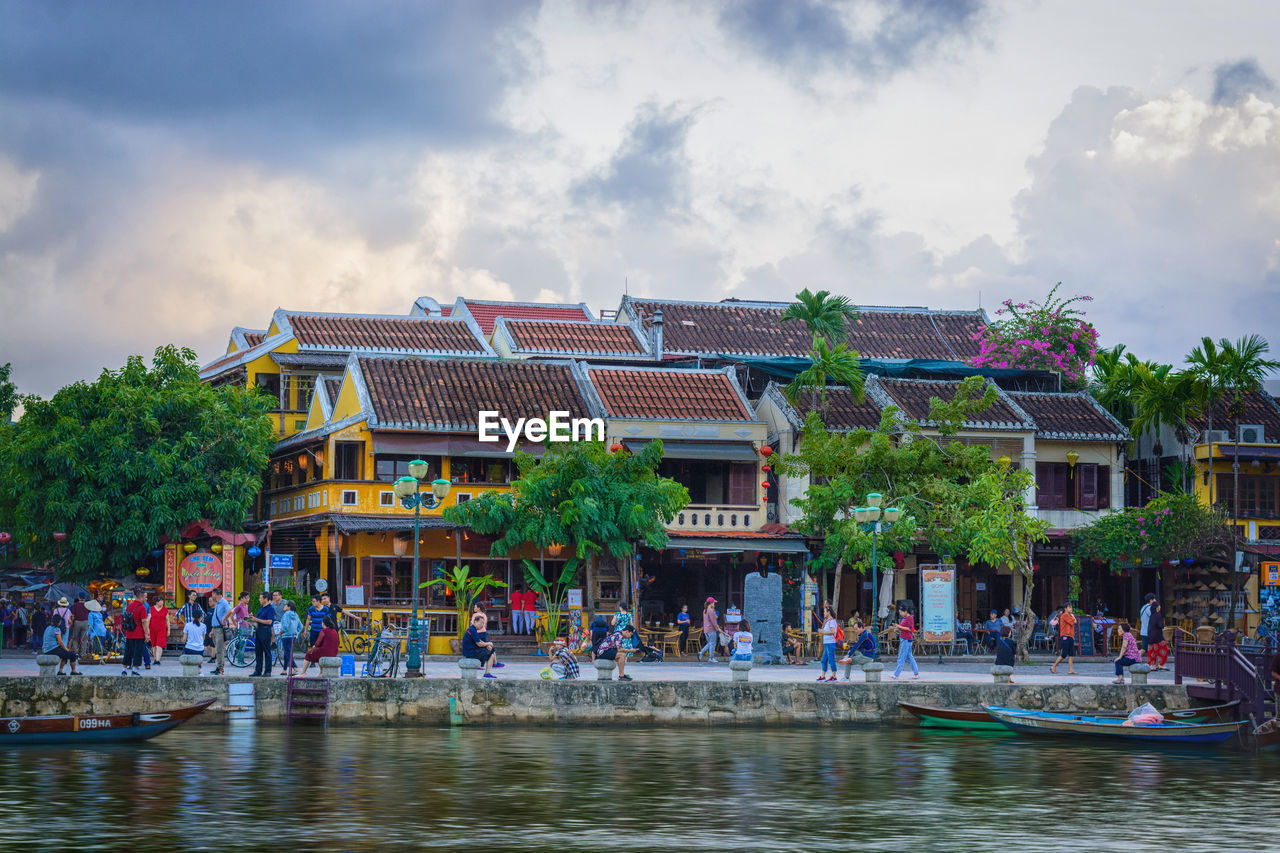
[[762, 607]]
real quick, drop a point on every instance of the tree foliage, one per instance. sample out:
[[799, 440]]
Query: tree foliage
[[1049, 335], [839, 365], [823, 313], [1170, 527], [8, 394], [134, 456]]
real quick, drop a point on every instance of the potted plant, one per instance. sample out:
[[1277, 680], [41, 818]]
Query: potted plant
[[465, 590]]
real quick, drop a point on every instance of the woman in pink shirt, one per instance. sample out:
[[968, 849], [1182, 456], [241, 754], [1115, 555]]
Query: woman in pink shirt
[[906, 637], [1128, 652]]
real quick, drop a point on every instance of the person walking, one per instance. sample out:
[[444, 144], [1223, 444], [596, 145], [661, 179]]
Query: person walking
[[1144, 618], [1129, 654], [682, 624], [219, 621], [906, 639], [159, 627], [134, 624], [63, 614], [262, 636], [828, 631], [290, 628], [1157, 648], [96, 634], [21, 622], [710, 629], [79, 625], [1066, 640], [39, 621], [193, 632]]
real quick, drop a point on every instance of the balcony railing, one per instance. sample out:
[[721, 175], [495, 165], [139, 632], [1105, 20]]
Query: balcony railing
[[719, 518]]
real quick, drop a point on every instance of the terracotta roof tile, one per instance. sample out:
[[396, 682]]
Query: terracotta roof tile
[[735, 328], [842, 411], [446, 394], [254, 338], [912, 397], [332, 385], [1069, 416], [573, 338], [485, 313], [1259, 408], [355, 332], [703, 395]]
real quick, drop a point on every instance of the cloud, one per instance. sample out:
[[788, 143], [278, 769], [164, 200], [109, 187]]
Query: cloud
[[873, 39], [648, 174], [1234, 81]]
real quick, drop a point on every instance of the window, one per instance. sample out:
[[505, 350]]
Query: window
[[463, 497], [392, 581], [465, 469], [1087, 487], [1257, 495], [348, 497], [347, 458], [270, 383], [303, 386], [714, 483], [386, 498], [389, 468]]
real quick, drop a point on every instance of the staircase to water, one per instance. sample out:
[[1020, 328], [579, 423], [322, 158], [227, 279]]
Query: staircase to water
[[1229, 671], [307, 699]]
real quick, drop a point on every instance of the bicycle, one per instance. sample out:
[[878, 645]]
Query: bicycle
[[242, 653], [384, 656], [356, 644]]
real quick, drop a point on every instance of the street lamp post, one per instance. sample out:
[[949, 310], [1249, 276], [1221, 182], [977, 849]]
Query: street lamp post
[[406, 488], [869, 520]]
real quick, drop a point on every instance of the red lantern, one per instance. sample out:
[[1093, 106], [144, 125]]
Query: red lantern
[[615, 447], [765, 468], [766, 451], [59, 536], [765, 484]]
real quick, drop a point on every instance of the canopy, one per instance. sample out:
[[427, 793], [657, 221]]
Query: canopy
[[787, 367], [730, 544], [68, 590]]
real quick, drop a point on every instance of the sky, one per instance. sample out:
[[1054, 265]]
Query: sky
[[171, 170]]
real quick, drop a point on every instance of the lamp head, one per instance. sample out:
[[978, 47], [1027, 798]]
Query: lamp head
[[874, 513], [405, 487], [892, 514], [440, 488], [860, 514], [874, 499], [1005, 461], [418, 469]]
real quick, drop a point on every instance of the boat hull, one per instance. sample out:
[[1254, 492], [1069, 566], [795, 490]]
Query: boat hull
[[952, 718], [93, 728], [1070, 725]]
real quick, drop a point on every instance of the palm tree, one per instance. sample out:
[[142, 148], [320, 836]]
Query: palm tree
[[1112, 382], [823, 313], [1208, 368], [837, 364], [1164, 397]]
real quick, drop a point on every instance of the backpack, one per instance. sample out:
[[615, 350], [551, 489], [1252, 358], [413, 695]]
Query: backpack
[[127, 621], [839, 633]]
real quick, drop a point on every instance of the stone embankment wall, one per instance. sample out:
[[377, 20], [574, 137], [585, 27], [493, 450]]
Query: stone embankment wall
[[427, 701]]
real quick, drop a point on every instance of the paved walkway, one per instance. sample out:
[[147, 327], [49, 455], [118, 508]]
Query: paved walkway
[[958, 670]]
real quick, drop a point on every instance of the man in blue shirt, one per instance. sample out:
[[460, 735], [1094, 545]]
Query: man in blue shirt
[[993, 627], [219, 615], [316, 614], [262, 636], [863, 651]]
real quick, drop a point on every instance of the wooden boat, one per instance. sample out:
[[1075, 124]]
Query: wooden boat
[[1267, 735], [93, 728], [980, 720], [1047, 723]]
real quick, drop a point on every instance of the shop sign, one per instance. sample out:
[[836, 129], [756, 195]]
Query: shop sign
[[938, 595], [282, 561], [201, 572], [1271, 574]]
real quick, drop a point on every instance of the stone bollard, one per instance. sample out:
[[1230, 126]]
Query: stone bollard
[[604, 669], [332, 667], [190, 664], [469, 667], [739, 669], [1138, 673], [872, 672], [48, 663], [1001, 674]]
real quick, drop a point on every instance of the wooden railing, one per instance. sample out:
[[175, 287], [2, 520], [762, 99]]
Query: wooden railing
[[1244, 673]]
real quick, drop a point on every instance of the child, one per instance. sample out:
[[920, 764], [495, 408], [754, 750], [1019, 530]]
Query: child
[[790, 646], [742, 641], [1128, 652], [194, 631], [906, 637], [829, 626]]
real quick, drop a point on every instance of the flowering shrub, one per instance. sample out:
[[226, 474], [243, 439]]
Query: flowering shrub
[[1171, 527], [1051, 335]]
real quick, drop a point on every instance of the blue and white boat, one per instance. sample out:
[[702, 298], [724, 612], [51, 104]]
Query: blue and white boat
[[1072, 725]]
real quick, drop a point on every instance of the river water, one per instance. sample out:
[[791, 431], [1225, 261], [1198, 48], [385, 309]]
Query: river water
[[243, 788]]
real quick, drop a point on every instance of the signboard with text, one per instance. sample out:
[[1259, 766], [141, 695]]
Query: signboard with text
[[282, 561], [1271, 574], [938, 603], [201, 572]]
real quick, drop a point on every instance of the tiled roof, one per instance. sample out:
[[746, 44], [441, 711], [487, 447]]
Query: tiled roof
[[554, 336], [695, 395], [842, 412], [912, 397], [485, 313], [332, 385], [358, 332], [254, 338], [757, 328], [1259, 408], [448, 394], [1072, 417]]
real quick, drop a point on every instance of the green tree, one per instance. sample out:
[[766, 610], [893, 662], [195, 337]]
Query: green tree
[[944, 488], [136, 455], [1169, 527], [1209, 367], [8, 394], [837, 365], [823, 313], [1164, 397], [579, 495]]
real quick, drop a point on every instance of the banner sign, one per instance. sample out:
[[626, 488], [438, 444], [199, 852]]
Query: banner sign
[[201, 572], [229, 572], [1271, 574], [938, 599], [171, 568], [282, 561]]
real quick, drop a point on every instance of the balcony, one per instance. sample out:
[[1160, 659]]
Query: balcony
[[719, 519]]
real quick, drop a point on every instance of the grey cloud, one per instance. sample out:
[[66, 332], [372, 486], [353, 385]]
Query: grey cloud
[[648, 174], [1234, 81], [809, 34]]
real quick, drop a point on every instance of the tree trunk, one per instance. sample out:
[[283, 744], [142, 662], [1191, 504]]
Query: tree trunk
[[1028, 585], [835, 587]]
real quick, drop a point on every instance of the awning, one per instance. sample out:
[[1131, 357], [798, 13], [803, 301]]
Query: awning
[[712, 451], [423, 444], [1272, 452], [726, 544], [375, 523]]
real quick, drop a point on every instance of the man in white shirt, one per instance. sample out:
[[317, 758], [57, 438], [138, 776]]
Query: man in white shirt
[[1144, 617]]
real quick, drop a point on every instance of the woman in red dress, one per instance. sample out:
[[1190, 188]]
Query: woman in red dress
[[158, 627]]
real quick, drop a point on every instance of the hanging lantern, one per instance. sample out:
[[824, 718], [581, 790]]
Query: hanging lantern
[[554, 549], [765, 468], [216, 547], [615, 447], [765, 484], [766, 451], [254, 552], [400, 545], [189, 547], [59, 536]]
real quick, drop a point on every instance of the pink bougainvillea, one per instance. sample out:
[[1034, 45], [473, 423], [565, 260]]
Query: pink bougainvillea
[[1050, 335]]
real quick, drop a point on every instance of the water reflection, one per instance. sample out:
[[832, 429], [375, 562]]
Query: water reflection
[[635, 789]]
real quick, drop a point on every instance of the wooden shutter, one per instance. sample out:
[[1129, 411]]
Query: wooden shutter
[[366, 579], [742, 484], [1104, 487], [1087, 486], [1044, 485]]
